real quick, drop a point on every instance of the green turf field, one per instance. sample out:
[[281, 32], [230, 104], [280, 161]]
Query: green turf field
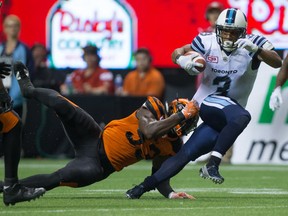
[[247, 190]]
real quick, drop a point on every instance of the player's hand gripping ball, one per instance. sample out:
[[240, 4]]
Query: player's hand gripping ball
[[192, 62], [197, 58]]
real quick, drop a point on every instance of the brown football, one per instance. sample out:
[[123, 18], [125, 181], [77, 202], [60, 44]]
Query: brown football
[[197, 57]]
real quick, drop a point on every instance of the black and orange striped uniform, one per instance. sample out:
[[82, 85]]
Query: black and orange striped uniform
[[124, 144]]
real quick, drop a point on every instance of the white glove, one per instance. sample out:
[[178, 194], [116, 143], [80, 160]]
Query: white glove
[[186, 62], [247, 44], [276, 99]]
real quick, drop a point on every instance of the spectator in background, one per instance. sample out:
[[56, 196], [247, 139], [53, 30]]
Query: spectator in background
[[43, 76], [211, 14], [91, 80], [12, 49], [145, 80]]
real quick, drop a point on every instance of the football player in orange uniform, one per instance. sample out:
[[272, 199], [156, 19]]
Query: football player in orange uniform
[[10, 129], [146, 134]]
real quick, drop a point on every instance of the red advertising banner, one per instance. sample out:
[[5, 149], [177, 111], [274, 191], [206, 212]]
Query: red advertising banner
[[120, 27]]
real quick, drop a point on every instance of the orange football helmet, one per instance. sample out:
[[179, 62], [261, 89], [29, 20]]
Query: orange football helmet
[[186, 126]]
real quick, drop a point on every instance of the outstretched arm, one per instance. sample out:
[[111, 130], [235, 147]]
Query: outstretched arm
[[164, 187]]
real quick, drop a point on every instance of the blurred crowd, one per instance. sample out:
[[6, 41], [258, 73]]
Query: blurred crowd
[[144, 80]]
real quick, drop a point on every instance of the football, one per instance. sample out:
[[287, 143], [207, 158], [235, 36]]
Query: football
[[197, 57]]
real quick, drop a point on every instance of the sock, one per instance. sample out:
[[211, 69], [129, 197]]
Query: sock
[[12, 151], [149, 183], [9, 182], [215, 159]]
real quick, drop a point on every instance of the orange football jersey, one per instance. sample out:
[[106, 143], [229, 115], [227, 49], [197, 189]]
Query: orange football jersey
[[124, 144]]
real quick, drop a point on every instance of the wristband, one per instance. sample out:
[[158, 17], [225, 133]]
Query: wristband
[[170, 194]]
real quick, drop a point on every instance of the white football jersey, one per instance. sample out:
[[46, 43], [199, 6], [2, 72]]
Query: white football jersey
[[228, 75]]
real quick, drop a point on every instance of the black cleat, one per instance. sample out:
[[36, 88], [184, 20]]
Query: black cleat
[[19, 193], [22, 75], [212, 173], [136, 192]]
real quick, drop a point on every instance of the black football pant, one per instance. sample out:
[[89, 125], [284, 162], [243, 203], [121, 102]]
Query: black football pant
[[83, 133]]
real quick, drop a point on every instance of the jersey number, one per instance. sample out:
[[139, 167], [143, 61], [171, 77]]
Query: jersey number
[[223, 84], [153, 149]]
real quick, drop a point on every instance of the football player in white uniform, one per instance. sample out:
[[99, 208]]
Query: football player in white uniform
[[232, 62]]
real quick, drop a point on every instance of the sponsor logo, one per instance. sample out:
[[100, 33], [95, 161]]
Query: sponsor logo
[[213, 59], [109, 24], [263, 150]]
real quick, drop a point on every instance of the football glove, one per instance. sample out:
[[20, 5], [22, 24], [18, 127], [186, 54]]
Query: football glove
[[276, 99], [188, 65], [180, 195], [6, 103], [191, 109], [5, 69], [247, 44]]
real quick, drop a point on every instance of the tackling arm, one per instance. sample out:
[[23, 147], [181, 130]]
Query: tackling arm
[[152, 128]]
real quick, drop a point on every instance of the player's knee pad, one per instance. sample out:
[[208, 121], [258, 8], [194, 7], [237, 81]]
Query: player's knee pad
[[8, 121]]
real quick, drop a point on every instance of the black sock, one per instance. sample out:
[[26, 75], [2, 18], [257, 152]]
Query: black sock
[[12, 151], [150, 183], [10, 181], [47, 181], [214, 161]]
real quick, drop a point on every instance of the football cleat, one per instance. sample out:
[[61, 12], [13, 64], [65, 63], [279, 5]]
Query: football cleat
[[19, 193], [136, 192], [22, 75], [211, 173]]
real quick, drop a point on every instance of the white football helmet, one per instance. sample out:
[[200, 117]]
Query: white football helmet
[[230, 19]]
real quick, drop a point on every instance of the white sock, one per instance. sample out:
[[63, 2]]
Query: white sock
[[216, 154]]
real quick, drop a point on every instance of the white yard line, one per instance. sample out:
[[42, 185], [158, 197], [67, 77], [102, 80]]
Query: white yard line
[[143, 209]]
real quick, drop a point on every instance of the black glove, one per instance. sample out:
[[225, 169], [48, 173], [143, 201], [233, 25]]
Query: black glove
[[6, 103], [5, 69]]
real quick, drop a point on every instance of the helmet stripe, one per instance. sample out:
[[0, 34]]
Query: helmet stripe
[[230, 16], [156, 107]]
